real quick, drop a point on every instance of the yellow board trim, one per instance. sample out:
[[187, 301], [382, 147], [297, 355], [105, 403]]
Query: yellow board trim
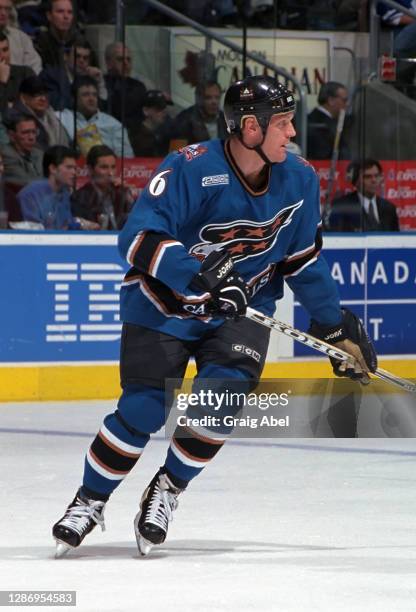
[[74, 382]]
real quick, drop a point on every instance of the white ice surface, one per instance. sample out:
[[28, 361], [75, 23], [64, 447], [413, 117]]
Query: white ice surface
[[295, 525]]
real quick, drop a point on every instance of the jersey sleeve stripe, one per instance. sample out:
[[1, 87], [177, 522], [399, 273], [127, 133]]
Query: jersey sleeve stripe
[[302, 253], [134, 246], [148, 249], [296, 262], [305, 265], [168, 302], [158, 254]]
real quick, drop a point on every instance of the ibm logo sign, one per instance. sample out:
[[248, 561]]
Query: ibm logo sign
[[103, 322]]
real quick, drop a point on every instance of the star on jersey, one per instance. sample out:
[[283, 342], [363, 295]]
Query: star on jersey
[[243, 238]]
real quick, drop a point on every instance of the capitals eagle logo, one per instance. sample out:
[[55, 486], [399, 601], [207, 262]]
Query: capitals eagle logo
[[243, 239]]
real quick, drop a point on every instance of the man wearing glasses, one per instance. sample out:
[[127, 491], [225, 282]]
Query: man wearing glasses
[[322, 122], [364, 210]]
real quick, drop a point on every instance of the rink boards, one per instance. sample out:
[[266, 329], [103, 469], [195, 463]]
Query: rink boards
[[60, 311]]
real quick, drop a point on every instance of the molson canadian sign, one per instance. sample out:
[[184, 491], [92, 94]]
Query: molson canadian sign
[[307, 58]]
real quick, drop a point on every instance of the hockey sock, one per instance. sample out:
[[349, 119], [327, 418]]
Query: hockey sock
[[112, 454], [122, 438], [193, 447], [188, 454]]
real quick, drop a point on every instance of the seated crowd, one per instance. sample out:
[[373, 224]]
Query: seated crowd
[[57, 106]]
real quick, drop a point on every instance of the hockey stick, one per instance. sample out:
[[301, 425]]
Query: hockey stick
[[323, 347]]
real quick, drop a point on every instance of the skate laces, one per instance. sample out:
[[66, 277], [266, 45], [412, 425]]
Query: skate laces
[[163, 501], [78, 516]]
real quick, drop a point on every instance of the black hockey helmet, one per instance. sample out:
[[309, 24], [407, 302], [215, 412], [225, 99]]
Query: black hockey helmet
[[261, 96]]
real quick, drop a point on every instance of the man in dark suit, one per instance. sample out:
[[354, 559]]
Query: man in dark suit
[[125, 94], [322, 123], [363, 210]]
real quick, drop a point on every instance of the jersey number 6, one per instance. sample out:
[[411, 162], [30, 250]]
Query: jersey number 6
[[158, 183]]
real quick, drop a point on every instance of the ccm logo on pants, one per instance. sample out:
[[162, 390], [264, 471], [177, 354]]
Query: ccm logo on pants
[[240, 348]]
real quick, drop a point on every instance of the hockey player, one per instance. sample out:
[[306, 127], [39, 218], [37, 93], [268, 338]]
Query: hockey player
[[220, 225]]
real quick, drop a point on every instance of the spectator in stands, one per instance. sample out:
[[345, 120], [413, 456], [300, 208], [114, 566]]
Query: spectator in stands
[[151, 137], [11, 75], [364, 210], [322, 122], [8, 201], [48, 200], [52, 44], [78, 61], [103, 199], [33, 101], [404, 44], [89, 126], [125, 94], [22, 52], [204, 120], [22, 159], [81, 62]]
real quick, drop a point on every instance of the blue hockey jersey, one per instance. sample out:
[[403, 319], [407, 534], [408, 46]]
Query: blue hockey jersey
[[198, 201]]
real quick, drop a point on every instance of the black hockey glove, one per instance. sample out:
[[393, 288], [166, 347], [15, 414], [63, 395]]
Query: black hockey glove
[[350, 335], [229, 292]]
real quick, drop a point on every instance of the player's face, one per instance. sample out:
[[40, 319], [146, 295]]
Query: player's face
[[278, 134], [105, 170], [370, 180]]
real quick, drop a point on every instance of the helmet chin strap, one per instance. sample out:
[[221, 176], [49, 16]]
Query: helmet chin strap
[[257, 149]]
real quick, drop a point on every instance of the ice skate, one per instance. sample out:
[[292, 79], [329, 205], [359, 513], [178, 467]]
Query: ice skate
[[156, 511], [81, 516]]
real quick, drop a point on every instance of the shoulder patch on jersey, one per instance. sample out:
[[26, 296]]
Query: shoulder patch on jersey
[[216, 179], [192, 151]]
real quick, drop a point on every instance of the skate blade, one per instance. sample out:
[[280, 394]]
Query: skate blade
[[144, 546], [62, 548]]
